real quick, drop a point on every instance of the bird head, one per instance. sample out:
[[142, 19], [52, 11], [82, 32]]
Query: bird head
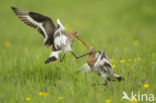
[[73, 32], [92, 50]]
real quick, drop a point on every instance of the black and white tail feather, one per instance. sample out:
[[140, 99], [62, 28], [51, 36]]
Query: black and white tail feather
[[85, 68]]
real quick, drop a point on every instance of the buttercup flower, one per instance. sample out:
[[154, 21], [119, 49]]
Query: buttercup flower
[[40, 93], [7, 44], [60, 98], [122, 61], [135, 60], [139, 59], [113, 66], [154, 53], [132, 99], [79, 42], [111, 60], [107, 101], [136, 43], [153, 62], [45, 94], [28, 99], [146, 85]]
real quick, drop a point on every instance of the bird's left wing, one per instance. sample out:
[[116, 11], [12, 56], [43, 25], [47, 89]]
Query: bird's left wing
[[38, 21]]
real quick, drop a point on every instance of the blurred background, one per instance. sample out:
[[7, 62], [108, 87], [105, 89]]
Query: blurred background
[[103, 21]]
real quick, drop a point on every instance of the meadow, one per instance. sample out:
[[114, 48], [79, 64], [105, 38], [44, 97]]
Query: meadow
[[125, 29]]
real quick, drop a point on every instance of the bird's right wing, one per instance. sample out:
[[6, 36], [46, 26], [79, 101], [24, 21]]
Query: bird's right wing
[[59, 29]]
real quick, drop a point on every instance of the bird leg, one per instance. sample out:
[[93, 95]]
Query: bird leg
[[53, 57], [61, 59], [105, 84], [77, 57]]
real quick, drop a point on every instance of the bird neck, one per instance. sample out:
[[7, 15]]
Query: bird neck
[[91, 59]]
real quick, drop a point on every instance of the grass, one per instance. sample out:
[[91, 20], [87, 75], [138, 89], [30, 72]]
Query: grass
[[124, 29]]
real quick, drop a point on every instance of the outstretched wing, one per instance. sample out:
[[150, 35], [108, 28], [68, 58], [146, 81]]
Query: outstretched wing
[[38, 21]]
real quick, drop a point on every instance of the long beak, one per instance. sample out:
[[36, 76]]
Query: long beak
[[84, 43]]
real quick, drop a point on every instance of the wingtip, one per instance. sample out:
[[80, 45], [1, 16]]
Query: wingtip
[[13, 8], [58, 20]]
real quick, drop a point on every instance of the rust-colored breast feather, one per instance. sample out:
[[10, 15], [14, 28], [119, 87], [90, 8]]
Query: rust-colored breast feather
[[91, 59]]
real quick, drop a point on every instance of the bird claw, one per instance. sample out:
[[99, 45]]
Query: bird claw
[[51, 59]]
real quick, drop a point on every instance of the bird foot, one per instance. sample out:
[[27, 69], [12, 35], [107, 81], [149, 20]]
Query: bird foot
[[51, 59]]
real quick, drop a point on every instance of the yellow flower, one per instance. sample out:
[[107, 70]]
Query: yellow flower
[[107, 101], [113, 66], [135, 60], [132, 99], [154, 53], [45, 94], [136, 43], [146, 85], [7, 44], [153, 62], [139, 59], [28, 99], [129, 59], [127, 65], [79, 42], [40, 93], [60, 98], [111, 60], [122, 61]]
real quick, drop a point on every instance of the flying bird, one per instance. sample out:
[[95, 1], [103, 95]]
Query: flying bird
[[54, 36], [98, 62]]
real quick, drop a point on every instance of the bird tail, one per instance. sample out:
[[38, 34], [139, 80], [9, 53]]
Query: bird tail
[[85, 68], [118, 77]]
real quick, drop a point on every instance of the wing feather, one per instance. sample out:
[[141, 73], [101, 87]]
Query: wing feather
[[42, 23]]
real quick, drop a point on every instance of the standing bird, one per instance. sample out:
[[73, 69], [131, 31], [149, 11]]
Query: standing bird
[[98, 62], [53, 36]]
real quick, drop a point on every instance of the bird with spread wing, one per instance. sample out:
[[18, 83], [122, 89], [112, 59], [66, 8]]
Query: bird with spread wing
[[54, 36]]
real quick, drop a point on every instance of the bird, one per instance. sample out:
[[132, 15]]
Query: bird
[[99, 63], [54, 36]]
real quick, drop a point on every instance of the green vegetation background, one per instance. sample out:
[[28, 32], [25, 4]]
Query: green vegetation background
[[125, 29]]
